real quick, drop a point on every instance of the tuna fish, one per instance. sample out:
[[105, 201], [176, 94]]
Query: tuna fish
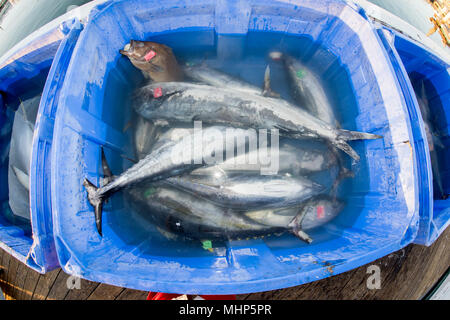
[[251, 191], [186, 102], [307, 89], [296, 158], [169, 159], [182, 213], [154, 59]]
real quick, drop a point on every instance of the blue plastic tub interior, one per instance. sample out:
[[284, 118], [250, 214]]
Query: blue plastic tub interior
[[380, 217], [35, 69], [418, 64]]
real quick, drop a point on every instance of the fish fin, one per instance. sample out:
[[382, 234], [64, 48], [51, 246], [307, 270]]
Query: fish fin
[[96, 201], [296, 226], [288, 131], [267, 91], [344, 173], [344, 146], [303, 236], [348, 135]]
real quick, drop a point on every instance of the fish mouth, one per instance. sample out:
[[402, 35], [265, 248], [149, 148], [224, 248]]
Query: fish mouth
[[125, 51]]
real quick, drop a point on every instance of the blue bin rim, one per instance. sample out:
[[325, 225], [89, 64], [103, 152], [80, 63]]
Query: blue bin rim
[[51, 33], [429, 229]]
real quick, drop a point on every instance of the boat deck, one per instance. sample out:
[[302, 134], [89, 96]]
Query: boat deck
[[406, 274]]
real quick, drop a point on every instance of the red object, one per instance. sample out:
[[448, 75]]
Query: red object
[[150, 55], [320, 212], [170, 296], [157, 92]]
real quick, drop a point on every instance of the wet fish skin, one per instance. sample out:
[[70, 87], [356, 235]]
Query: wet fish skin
[[203, 73], [161, 67], [185, 214], [213, 77], [164, 161], [311, 214], [251, 191], [282, 217], [308, 91], [297, 159], [186, 102]]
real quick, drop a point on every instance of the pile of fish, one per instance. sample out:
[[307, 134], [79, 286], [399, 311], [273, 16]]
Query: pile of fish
[[187, 195]]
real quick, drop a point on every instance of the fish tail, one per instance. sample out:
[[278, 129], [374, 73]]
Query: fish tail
[[347, 135], [94, 197], [96, 200], [296, 226]]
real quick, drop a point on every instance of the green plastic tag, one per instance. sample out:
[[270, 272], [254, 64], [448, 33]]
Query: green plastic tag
[[207, 244], [149, 192], [301, 74]]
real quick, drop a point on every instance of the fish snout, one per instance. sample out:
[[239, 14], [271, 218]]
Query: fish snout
[[126, 50]]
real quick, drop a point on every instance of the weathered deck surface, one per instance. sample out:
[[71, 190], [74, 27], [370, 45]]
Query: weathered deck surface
[[407, 274]]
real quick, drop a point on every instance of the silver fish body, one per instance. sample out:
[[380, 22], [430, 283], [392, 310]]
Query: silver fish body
[[216, 78], [145, 135], [292, 157], [252, 191], [314, 213], [186, 102], [182, 213], [308, 91]]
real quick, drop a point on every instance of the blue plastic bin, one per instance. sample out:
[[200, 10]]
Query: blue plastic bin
[[39, 66], [380, 217], [416, 64]]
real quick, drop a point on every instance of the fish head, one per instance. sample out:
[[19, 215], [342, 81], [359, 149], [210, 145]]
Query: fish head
[[136, 49], [156, 59]]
